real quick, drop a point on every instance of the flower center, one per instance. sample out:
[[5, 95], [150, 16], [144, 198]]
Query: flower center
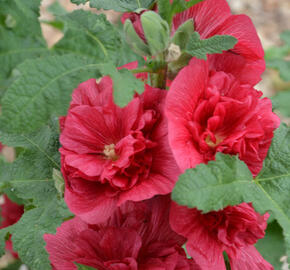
[[109, 152], [212, 144]]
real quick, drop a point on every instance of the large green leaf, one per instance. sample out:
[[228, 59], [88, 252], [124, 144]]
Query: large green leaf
[[272, 246], [199, 48], [89, 34], [227, 181], [38, 157], [27, 234], [43, 89], [20, 36], [118, 5]]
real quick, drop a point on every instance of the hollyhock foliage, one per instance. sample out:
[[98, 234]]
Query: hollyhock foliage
[[11, 212], [213, 17], [211, 112], [234, 229], [110, 155], [136, 236]]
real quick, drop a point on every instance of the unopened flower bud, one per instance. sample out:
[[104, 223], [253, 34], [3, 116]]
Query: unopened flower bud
[[156, 32], [134, 33]]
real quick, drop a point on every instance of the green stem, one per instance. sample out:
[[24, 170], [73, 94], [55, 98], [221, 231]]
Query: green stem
[[162, 73], [141, 70]]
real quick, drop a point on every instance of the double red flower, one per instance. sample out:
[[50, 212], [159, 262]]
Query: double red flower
[[210, 111], [136, 237], [234, 230], [111, 155]]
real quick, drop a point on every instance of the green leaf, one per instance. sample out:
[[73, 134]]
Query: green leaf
[[283, 66], [27, 233], [281, 102], [183, 33], [272, 246], [125, 84], [167, 11], [227, 181], [20, 35], [117, 5], [201, 47], [84, 267], [38, 159], [43, 90], [90, 35], [56, 9], [215, 185]]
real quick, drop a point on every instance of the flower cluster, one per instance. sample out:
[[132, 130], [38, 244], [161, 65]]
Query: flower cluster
[[121, 164]]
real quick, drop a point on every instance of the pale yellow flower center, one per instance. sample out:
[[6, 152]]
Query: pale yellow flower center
[[210, 143], [109, 152]]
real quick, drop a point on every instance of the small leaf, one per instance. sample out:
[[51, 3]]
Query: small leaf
[[201, 47], [117, 5], [84, 267], [167, 11], [56, 9], [125, 84], [183, 33]]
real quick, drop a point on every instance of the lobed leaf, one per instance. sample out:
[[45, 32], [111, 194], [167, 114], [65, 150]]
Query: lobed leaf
[[199, 48], [43, 90], [20, 35], [117, 5], [89, 34]]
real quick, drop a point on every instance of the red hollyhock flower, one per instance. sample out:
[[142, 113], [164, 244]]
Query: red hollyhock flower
[[210, 112], [137, 236], [235, 229], [10, 213], [110, 155], [213, 17], [1, 146]]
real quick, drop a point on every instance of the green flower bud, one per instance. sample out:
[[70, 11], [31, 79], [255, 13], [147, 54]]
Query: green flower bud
[[156, 30], [134, 40]]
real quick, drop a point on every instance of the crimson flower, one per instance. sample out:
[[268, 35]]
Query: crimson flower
[[11, 212], [110, 155], [136, 236], [211, 112], [213, 17], [235, 230]]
